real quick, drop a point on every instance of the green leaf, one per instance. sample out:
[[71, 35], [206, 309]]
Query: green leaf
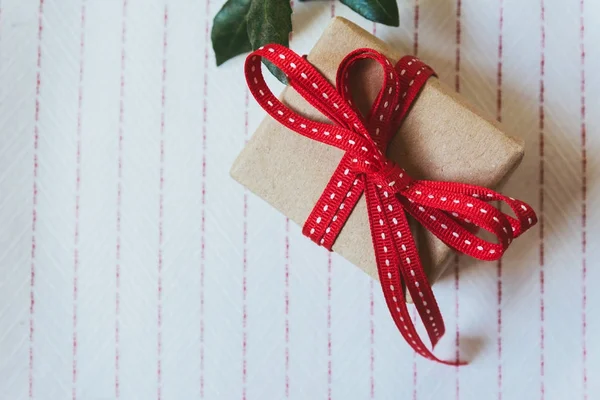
[[382, 11], [229, 32], [270, 21]]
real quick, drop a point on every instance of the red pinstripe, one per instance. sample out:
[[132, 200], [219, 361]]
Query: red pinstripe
[[499, 262], [457, 316], [458, 40], [415, 371], [287, 291], [456, 257], [329, 336], [372, 311], [415, 52], [583, 205], [161, 206], [541, 192], [245, 268], [287, 307], [77, 198], [416, 30], [35, 195], [119, 201], [203, 197]]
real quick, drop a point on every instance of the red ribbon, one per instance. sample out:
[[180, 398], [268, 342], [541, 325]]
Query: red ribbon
[[450, 210]]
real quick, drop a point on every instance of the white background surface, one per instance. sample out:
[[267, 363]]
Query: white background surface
[[191, 294]]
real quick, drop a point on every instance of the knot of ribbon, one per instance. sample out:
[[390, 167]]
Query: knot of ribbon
[[452, 211]]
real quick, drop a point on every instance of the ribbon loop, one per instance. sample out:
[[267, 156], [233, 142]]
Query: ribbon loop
[[381, 111], [315, 89], [452, 211]]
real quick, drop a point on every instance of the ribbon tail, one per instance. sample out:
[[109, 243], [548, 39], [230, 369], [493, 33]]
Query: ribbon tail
[[335, 205], [394, 268]]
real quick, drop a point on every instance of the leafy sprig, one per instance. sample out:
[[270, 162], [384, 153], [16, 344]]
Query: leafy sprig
[[245, 25]]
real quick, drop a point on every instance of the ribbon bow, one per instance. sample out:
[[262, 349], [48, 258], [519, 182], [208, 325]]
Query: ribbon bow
[[449, 210]]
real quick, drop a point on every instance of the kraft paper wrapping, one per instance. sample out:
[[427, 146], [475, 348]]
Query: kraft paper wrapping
[[443, 138]]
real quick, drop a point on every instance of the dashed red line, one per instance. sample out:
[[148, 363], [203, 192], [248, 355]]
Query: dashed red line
[[499, 262], [499, 329], [161, 207], [77, 202], [541, 193], [457, 65], [329, 289], [329, 335], [415, 371], [500, 62], [245, 268], [583, 206], [457, 316], [287, 308], [36, 136], [416, 53], [416, 29], [372, 322], [203, 197], [287, 293], [458, 40], [119, 202]]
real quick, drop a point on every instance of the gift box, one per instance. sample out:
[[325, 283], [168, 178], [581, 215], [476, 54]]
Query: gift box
[[443, 138]]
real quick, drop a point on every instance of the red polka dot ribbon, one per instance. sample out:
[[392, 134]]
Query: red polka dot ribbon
[[450, 210]]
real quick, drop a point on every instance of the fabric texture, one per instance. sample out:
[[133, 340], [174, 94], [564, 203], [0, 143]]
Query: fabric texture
[[133, 267]]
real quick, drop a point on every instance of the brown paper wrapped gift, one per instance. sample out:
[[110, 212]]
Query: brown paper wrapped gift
[[443, 138]]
